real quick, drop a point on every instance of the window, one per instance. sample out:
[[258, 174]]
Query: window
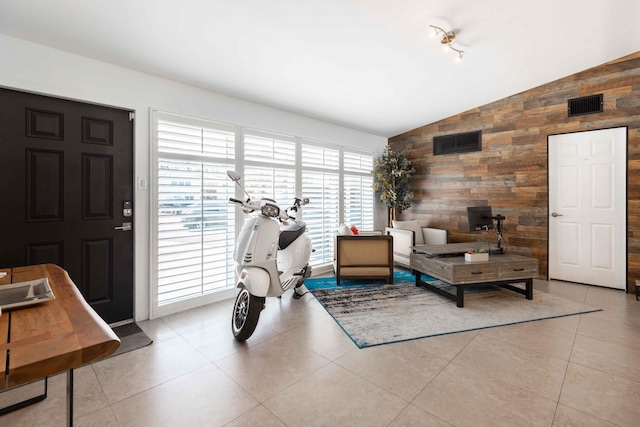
[[194, 228], [195, 224], [270, 166], [321, 184], [358, 194]]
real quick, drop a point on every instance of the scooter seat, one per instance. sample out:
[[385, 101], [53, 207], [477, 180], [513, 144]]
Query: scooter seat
[[290, 233]]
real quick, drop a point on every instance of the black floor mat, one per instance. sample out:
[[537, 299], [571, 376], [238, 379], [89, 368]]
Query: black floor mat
[[131, 338]]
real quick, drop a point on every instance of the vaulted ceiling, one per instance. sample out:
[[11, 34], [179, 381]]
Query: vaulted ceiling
[[371, 65]]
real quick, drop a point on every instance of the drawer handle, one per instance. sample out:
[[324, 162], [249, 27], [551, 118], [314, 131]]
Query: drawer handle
[[476, 272], [518, 269]]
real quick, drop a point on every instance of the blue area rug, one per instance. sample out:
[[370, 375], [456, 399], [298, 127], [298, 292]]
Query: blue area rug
[[375, 313], [329, 283]]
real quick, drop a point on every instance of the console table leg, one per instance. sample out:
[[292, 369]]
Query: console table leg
[[417, 273], [70, 397], [529, 289]]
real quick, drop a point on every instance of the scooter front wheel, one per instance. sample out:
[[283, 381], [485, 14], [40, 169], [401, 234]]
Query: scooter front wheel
[[246, 312]]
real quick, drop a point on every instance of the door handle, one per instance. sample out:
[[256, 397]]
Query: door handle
[[126, 226], [555, 214]]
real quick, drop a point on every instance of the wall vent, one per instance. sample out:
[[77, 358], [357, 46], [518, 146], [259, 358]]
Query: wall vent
[[457, 143], [586, 105]]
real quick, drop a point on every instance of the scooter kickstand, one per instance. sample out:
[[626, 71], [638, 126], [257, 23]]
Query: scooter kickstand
[[296, 295]]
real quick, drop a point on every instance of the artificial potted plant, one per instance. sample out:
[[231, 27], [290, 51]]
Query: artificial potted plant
[[392, 173]]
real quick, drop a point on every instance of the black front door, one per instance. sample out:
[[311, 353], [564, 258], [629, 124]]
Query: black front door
[[66, 189]]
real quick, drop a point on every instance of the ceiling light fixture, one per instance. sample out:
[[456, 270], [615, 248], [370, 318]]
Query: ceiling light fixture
[[447, 39]]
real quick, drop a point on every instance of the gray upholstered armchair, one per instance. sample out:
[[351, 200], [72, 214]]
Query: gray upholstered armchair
[[409, 233]]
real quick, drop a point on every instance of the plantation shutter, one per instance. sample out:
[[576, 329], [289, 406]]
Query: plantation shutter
[[358, 194], [196, 228], [321, 184], [270, 166]]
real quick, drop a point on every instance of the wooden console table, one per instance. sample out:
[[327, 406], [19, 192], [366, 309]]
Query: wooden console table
[[500, 270], [52, 337]]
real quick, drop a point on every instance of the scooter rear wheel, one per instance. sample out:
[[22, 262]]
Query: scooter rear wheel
[[246, 312]]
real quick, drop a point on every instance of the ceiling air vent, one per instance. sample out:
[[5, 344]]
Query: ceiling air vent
[[586, 105], [457, 143]]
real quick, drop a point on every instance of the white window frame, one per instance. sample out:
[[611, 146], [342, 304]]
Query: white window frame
[[157, 310]]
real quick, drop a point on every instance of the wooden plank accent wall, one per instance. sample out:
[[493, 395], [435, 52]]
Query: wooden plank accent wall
[[510, 173]]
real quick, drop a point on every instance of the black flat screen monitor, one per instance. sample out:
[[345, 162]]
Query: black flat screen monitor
[[480, 218]]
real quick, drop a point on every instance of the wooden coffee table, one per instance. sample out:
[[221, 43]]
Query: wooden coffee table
[[501, 270]]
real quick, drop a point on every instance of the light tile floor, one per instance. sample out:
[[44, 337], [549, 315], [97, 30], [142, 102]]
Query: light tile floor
[[300, 369]]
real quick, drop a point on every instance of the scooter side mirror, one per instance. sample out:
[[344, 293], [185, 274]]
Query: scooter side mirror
[[234, 176]]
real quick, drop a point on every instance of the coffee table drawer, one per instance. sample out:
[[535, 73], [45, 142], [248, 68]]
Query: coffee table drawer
[[518, 269], [479, 272], [433, 267]]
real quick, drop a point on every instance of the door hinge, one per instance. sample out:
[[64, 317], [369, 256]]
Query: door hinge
[[132, 116]]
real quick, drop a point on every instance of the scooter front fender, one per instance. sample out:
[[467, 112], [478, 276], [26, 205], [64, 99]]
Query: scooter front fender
[[256, 280]]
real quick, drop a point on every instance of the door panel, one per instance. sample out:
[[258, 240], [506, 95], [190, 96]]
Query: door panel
[[587, 207], [45, 181], [569, 232], [602, 247], [96, 187], [65, 169]]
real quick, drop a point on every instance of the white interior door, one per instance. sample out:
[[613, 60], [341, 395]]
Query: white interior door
[[587, 207]]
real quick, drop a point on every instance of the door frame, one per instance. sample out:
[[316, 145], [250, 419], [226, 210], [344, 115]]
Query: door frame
[[625, 243]]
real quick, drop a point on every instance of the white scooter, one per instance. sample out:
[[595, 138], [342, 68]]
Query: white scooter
[[272, 256]]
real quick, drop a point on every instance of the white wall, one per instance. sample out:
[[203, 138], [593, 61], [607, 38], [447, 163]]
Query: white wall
[[36, 68]]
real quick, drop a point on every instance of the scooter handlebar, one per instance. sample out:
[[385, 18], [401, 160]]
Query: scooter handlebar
[[248, 204], [282, 215]]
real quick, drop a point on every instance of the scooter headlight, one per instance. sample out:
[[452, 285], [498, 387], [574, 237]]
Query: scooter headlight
[[270, 210]]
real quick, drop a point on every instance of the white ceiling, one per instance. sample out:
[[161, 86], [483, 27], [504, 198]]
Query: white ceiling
[[371, 65]]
